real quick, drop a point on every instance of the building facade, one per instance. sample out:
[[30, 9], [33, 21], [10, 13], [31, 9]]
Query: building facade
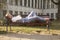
[[24, 7]]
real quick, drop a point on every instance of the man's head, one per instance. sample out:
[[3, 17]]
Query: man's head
[[8, 15]]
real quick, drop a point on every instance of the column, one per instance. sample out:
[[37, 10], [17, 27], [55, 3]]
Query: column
[[22, 2], [18, 2], [13, 12], [18, 13], [39, 3], [55, 6], [27, 3], [42, 4], [50, 3], [49, 15], [27, 13], [30, 3], [42, 8], [13, 2], [7, 1], [23, 13], [54, 15], [7, 6], [33, 3], [46, 4]]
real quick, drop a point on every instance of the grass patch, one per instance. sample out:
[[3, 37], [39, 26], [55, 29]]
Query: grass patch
[[55, 25], [3, 32], [54, 28], [25, 29]]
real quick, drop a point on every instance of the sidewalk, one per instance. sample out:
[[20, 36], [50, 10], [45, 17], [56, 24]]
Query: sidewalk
[[29, 37]]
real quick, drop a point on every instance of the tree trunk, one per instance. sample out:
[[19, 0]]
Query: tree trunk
[[58, 14], [58, 4]]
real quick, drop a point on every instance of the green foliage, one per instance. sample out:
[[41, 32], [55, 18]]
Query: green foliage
[[2, 3], [3, 32]]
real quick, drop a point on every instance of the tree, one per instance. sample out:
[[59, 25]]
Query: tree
[[58, 4], [2, 4]]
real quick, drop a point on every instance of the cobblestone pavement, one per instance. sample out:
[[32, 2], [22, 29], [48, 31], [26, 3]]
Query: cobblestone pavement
[[29, 37]]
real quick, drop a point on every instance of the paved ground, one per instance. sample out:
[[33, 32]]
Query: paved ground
[[13, 36]]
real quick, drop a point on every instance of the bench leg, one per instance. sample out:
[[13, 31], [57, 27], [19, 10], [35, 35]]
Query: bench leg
[[48, 28]]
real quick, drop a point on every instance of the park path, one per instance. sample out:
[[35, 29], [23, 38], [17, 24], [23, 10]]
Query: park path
[[13, 36]]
